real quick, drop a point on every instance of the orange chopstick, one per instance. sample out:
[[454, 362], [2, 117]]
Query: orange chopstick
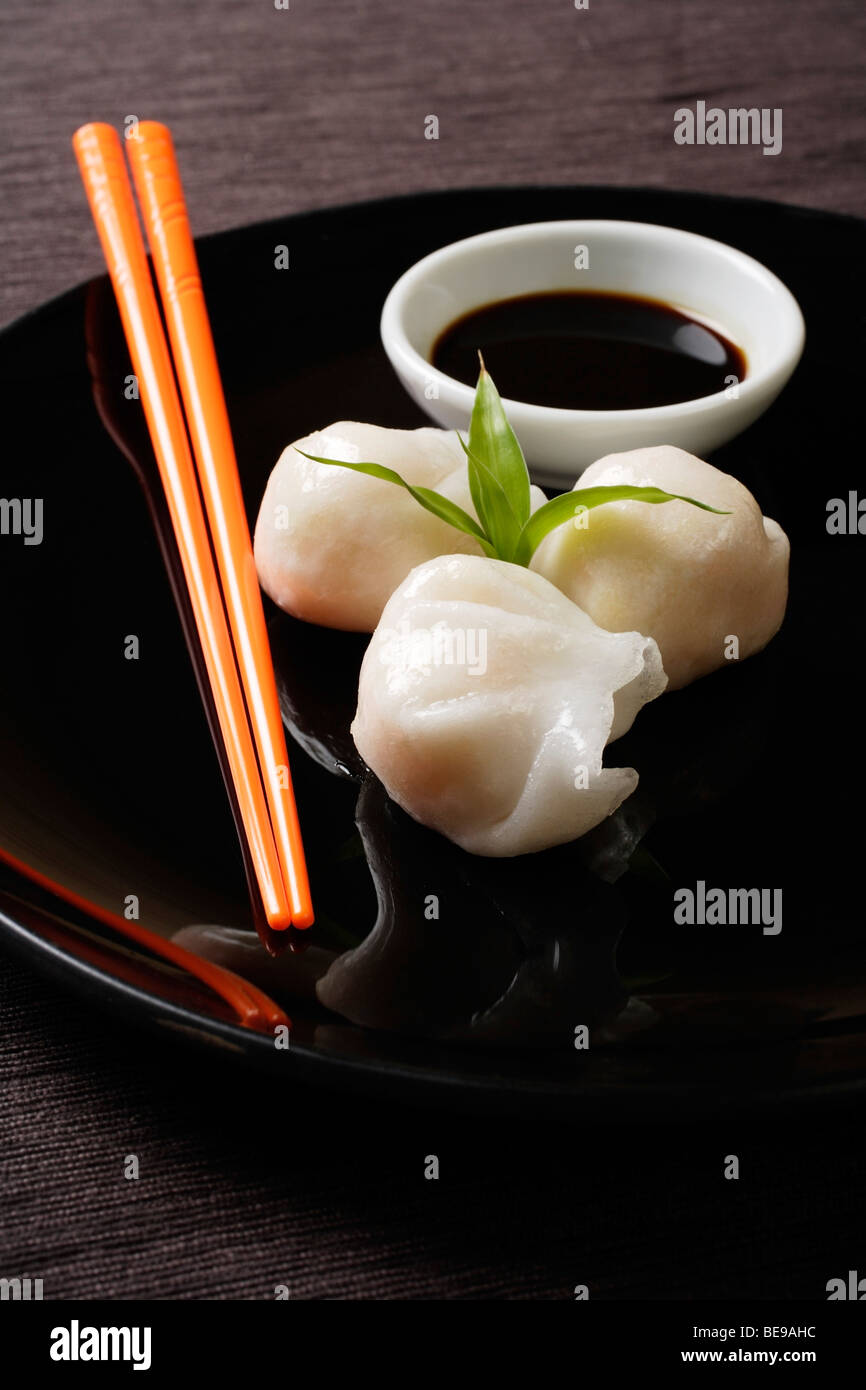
[[253, 1008], [160, 194], [100, 160]]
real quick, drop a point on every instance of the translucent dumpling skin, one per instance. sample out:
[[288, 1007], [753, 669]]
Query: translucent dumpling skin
[[688, 578], [485, 702], [332, 545]]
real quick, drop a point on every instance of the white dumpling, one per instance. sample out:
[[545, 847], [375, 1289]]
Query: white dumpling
[[485, 702], [688, 578], [332, 545]]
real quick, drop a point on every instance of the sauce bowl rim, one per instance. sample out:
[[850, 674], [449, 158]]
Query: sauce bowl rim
[[785, 349]]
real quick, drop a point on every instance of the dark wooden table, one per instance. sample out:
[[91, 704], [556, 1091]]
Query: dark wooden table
[[276, 111]]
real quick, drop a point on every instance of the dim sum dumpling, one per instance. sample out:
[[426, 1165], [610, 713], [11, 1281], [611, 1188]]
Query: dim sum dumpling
[[688, 578], [332, 545], [485, 702]]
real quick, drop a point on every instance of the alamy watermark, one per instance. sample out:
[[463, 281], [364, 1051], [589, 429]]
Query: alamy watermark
[[729, 907], [22, 516], [846, 516], [853, 1288], [737, 126], [77, 1343], [422, 648], [23, 1290]]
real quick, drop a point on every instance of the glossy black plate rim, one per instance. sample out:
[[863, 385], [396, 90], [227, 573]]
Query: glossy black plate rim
[[392, 1078], [381, 205]]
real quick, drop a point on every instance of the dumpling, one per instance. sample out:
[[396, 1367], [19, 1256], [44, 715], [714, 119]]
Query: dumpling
[[485, 702], [688, 578], [332, 545]]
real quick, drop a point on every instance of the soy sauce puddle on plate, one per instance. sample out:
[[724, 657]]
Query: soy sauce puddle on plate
[[590, 350]]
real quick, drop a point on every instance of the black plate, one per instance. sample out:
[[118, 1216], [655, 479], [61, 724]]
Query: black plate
[[750, 778]]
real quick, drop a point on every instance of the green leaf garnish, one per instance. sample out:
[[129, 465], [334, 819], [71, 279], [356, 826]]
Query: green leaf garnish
[[492, 505], [493, 442], [431, 501], [499, 487], [569, 504]]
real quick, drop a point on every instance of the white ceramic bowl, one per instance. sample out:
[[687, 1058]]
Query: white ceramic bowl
[[707, 279]]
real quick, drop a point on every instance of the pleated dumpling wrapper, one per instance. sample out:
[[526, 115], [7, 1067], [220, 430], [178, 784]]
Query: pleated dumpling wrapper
[[688, 578], [332, 545], [485, 702]]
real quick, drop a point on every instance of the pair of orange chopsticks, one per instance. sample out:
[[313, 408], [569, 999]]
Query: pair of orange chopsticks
[[236, 650]]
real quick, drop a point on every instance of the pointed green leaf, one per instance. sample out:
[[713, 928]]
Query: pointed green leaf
[[431, 501], [492, 505], [475, 485], [494, 443], [567, 506]]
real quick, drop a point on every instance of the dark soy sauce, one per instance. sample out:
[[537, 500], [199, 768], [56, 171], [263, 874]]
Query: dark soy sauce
[[588, 350]]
